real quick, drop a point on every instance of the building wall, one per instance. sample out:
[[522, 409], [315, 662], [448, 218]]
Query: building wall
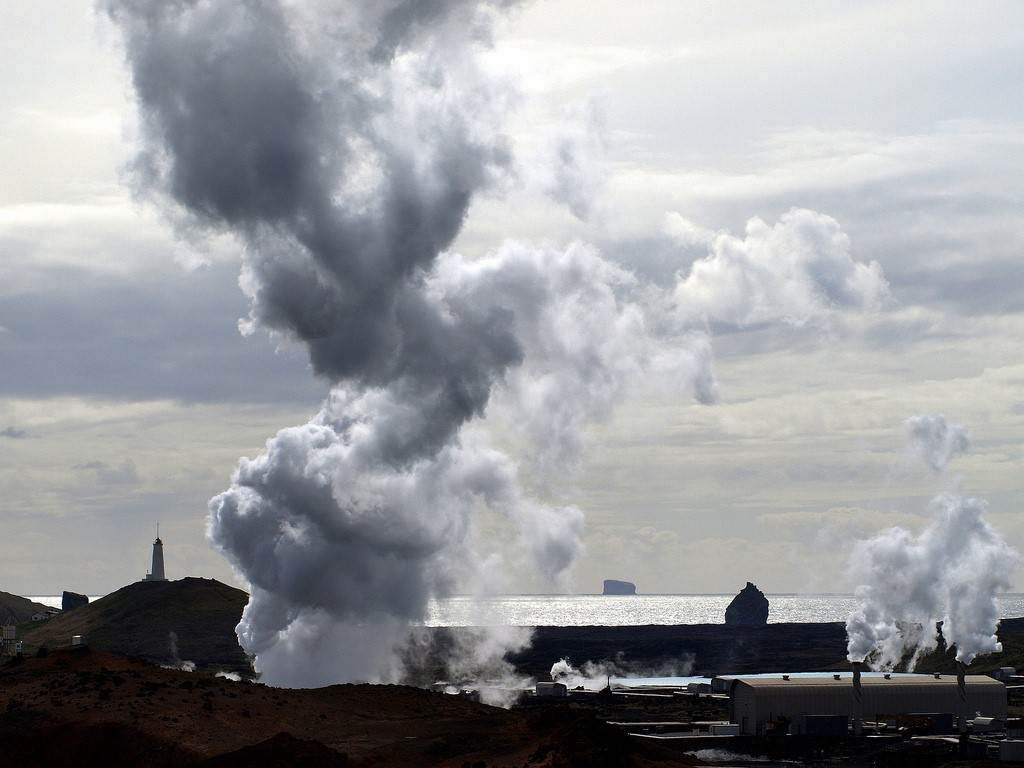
[[753, 705]]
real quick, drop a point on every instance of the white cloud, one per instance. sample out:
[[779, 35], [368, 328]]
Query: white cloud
[[797, 270], [543, 66]]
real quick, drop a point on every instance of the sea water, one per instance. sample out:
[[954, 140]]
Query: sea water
[[601, 610]]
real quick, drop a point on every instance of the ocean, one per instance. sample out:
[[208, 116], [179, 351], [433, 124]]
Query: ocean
[[583, 610]]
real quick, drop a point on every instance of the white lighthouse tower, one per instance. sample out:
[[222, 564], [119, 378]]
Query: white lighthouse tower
[[156, 572]]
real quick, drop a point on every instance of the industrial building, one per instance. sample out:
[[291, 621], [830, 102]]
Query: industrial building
[[763, 704]]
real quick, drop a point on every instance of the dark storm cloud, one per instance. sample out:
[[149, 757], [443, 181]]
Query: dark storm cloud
[[165, 334]]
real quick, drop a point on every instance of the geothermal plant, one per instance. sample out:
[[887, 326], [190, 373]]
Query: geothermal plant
[[965, 713]]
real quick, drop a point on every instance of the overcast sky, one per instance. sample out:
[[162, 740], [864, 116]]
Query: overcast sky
[[127, 393]]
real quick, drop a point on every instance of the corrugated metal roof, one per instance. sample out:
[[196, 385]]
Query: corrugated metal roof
[[829, 682], [847, 674]]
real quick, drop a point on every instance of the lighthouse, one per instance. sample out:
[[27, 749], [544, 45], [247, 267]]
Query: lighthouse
[[156, 572]]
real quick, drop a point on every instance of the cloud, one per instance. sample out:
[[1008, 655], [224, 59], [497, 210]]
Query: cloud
[[547, 66], [573, 171], [160, 333], [934, 441], [124, 473], [925, 205], [796, 271], [13, 433], [345, 155]]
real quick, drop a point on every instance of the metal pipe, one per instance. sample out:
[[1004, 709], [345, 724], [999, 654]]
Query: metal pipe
[[858, 704], [961, 689]]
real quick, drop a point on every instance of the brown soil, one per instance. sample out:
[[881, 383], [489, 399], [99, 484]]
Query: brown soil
[[85, 706]]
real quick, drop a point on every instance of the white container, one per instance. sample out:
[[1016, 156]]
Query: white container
[[76, 640]]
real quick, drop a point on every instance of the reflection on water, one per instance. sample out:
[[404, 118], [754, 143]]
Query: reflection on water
[[589, 610]]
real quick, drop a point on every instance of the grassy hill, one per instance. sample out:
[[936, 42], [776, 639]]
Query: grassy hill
[[165, 622], [18, 610]]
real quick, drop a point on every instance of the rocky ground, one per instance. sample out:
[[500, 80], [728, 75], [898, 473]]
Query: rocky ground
[[85, 707]]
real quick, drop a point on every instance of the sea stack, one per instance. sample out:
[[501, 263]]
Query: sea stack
[[616, 587], [748, 609], [71, 600]]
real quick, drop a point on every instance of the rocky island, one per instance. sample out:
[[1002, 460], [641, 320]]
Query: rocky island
[[616, 587], [71, 600], [748, 609]]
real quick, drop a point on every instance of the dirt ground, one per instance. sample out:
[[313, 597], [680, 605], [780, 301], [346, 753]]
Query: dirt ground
[[80, 707]]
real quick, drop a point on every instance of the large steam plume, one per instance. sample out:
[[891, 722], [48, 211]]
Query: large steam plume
[[342, 144], [952, 571]]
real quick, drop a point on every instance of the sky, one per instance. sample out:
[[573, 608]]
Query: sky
[[128, 394]]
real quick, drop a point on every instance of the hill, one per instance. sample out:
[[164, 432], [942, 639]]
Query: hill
[[83, 707], [18, 610], [165, 622]]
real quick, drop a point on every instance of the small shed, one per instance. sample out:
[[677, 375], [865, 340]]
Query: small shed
[[552, 690]]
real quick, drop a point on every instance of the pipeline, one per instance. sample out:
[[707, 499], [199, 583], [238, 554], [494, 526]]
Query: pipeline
[[858, 704], [961, 689]]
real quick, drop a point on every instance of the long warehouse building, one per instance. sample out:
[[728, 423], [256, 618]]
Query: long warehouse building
[[756, 702]]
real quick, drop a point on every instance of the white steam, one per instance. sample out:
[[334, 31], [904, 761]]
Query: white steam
[[176, 661], [595, 675], [342, 144], [936, 442], [952, 571]]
